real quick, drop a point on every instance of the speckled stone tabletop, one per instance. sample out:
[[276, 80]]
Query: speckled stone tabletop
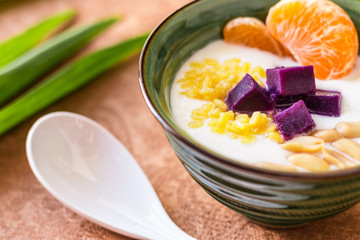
[[28, 211]]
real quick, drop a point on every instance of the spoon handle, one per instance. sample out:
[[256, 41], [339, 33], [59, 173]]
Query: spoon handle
[[175, 232], [168, 231], [161, 227]]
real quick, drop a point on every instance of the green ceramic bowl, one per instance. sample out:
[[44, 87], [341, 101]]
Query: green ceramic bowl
[[271, 198]]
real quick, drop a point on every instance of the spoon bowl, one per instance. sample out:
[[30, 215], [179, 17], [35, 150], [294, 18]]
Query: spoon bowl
[[87, 169]]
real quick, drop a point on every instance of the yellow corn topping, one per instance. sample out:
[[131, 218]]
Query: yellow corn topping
[[211, 81], [237, 125]]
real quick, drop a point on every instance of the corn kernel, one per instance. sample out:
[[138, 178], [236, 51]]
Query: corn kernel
[[187, 84], [212, 123], [191, 74], [229, 126], [197, 111], [220, 104], [181, 80], [275, 136], [197, 65], [215, 113], [227, 85], [271, 128], [196, 124], [211, 62], [258, 70], [225, 117], [245, 67], [207, 92], [197, 117], [247, 139], [220, 94], [243, 118], [209, 106], [258, 121], [241, 128]]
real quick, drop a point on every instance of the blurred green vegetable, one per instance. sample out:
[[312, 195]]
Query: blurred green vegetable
[[67, 80], [24, 70], [17, 45]]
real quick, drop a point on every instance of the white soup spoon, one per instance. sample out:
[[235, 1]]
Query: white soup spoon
[[87, 169]]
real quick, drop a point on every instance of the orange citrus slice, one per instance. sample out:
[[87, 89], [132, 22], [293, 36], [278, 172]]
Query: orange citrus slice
[[251, 32], [318, 33]]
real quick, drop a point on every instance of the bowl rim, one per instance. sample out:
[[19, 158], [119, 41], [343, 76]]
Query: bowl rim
[[222, 160]]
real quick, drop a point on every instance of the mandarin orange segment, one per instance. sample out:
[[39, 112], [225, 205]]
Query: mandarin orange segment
[[251, 32], [316, 32]]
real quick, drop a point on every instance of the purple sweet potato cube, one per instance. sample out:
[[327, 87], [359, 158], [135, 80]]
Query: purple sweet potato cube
[[324, 103], [294, 121], [287, 81], [247, 96]]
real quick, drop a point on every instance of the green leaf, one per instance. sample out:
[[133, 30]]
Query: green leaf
[[17, 45], [23, 71], [66, 81]]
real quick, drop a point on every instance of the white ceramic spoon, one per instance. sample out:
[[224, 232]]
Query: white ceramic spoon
[[91, 172]]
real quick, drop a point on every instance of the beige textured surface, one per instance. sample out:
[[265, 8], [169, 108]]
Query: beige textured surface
[[28, 211]]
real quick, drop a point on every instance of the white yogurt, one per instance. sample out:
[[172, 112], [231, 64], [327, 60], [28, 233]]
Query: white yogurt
[[263, 149]]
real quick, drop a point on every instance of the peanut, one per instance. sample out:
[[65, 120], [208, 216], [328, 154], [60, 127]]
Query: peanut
[[336, 158], [348, 129], [348, 147], [304, 144], [274, 166], [328, 135], [309, 162]]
